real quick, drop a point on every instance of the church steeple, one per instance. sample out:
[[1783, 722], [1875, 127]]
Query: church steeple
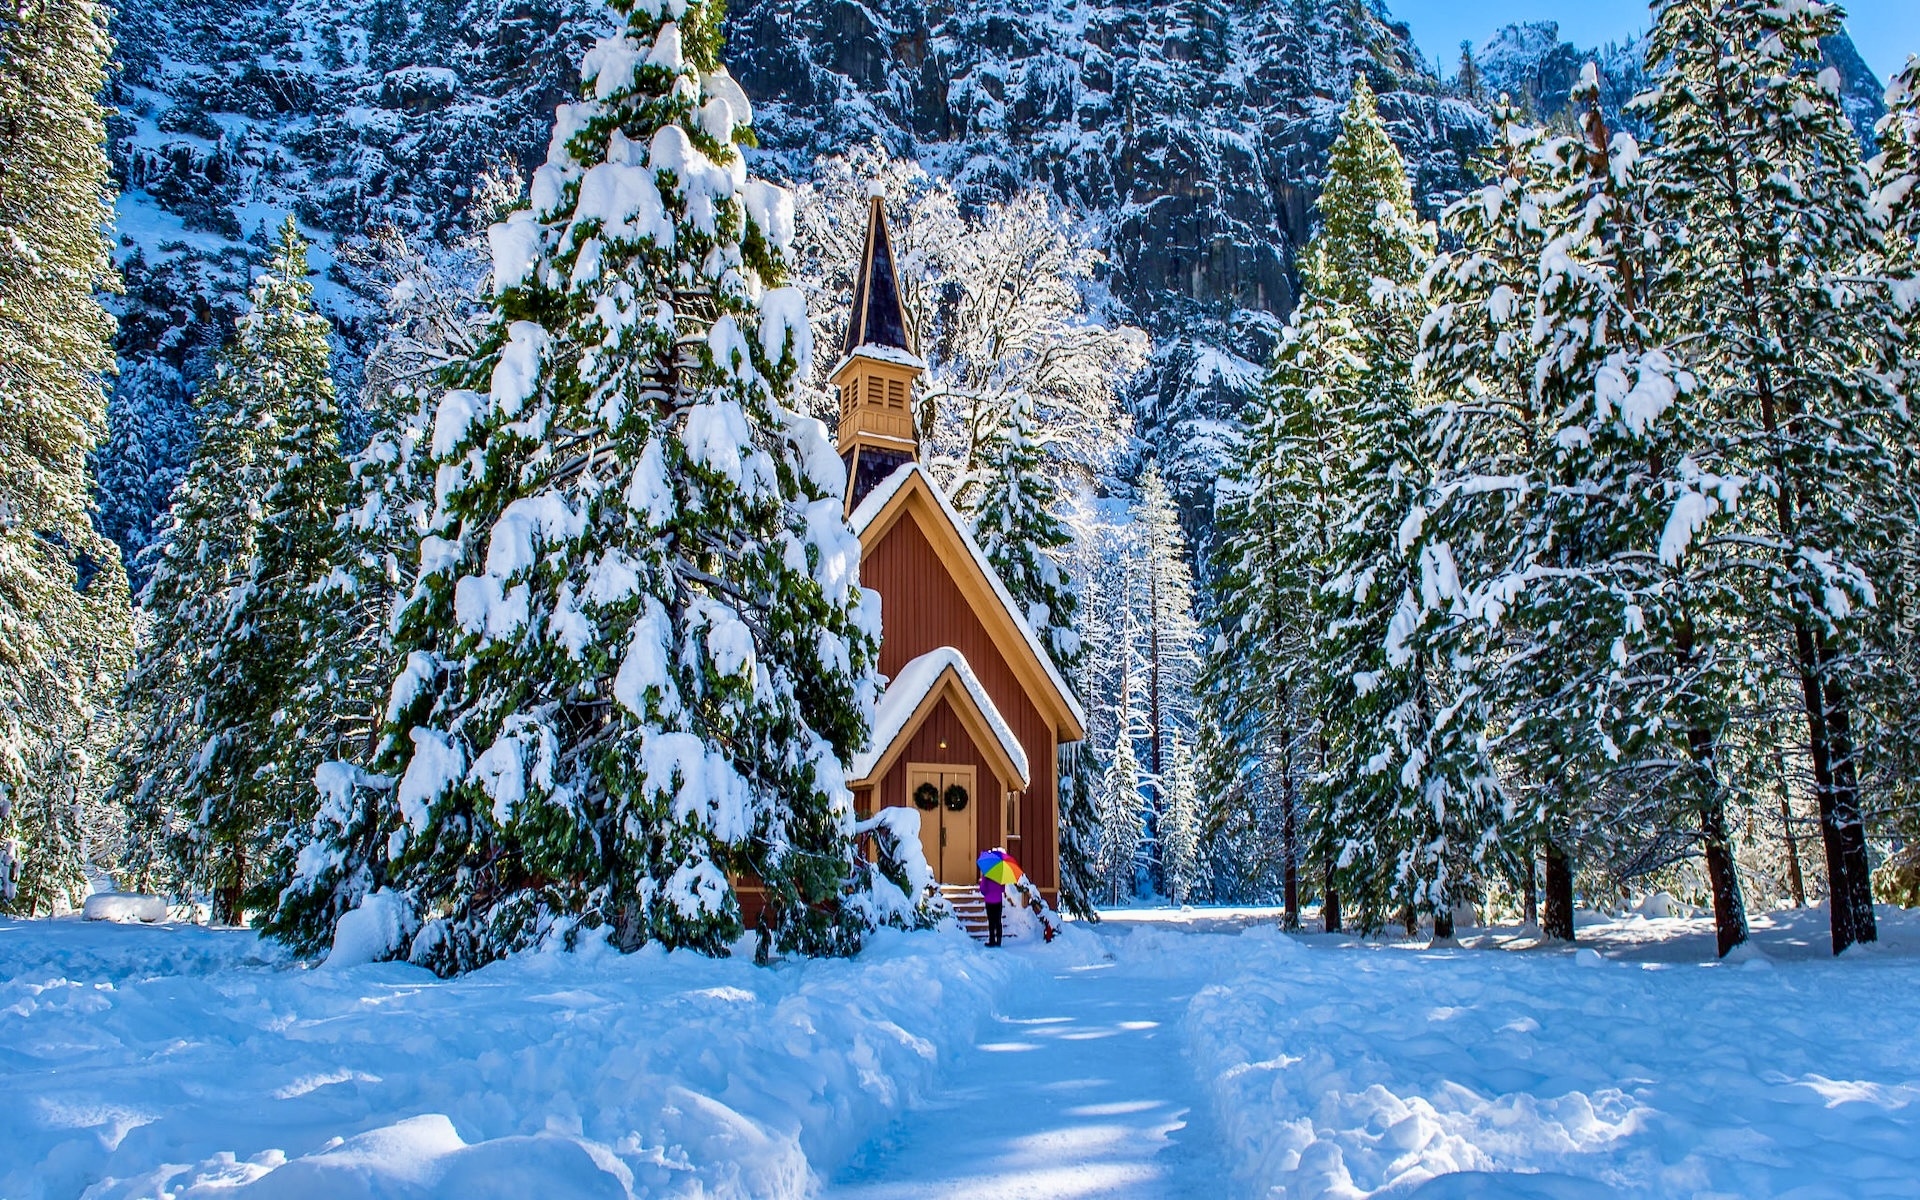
[[879, 362]]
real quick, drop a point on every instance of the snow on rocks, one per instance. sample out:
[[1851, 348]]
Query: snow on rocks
[[217, 1070]]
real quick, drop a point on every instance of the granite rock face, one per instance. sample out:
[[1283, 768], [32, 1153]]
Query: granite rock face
[[1192, 132]]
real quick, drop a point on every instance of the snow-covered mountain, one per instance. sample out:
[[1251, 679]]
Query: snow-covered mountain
[[1193, 132], [1532, 65]]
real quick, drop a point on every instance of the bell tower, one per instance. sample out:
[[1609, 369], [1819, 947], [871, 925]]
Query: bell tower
[[878, 364]]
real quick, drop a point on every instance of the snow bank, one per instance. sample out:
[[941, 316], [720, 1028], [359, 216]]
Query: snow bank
[[143, 1060], [125, 906], [1344, 1070]]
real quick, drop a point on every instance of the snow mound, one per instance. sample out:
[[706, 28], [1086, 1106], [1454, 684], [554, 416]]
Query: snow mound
[[125, 907], [559, 1075], [377, 930]]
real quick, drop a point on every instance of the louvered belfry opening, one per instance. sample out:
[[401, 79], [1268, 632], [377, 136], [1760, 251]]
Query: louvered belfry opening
[[878, 365]]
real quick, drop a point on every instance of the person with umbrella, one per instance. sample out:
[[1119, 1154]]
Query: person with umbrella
[[997, 870]]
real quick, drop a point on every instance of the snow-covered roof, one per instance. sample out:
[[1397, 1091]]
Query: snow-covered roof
[[911, 689], [876, 502], [885, 354]]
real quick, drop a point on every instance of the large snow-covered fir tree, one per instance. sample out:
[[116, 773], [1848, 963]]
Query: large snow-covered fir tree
[[1756, 159], [1562, 447], [1264, 687], [64, 631], [1412, 804], [221, 745], [637, 653]]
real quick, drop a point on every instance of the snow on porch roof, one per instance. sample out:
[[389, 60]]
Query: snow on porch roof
[[876, 501], [910, 690]]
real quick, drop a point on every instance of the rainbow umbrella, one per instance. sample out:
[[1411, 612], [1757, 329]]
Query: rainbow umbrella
[[999, 866]]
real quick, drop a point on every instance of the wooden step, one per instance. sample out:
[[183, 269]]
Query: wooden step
[[968, 907]]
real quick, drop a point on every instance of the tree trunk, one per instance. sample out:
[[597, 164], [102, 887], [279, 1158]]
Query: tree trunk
[[1330, 907], [1843, 833], [1410, 919], [1729, 908], [1558, 918], [1443, 922], [1290, 877], [1795, 880], [1530, 903]]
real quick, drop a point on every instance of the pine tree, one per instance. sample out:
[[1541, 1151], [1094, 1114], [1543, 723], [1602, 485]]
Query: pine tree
[[64, 619], [1168, 635], [1755, 158], [1413, 805], [1894, 737], [1563, 444], [1265, 696], [221, 749], [1180, 827], [1122, 809], [1468, 78], [1025, 541], [637, 652]]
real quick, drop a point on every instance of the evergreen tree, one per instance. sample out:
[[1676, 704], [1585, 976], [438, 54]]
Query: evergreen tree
[[1468, 78], [1180, 827], [1169, 637], [1413, 805], [1756, 160], [64, 619], [221, 747], [637, 653], [1024, 540], [1895, 651], [1562, 445], [1122, 809]]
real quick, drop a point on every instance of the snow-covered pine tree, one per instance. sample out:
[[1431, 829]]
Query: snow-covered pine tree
[[1026, 541], [637, 653], [1122, 809], [1413, 804], [1895, 649], [1180, 831], [1756, 160], [220, 748], [435, 318], [1168, 636], [64, 614], [1561, 445]]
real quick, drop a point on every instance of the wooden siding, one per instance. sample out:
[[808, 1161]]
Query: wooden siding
[[922, 609], [943, 725]]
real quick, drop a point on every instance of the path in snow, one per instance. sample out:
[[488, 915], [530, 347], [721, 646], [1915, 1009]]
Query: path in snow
[[1079, 1089]]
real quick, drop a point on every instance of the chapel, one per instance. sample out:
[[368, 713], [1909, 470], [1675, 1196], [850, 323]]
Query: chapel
[[975, 711]]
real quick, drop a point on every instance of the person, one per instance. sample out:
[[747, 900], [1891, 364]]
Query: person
[[992, 892]]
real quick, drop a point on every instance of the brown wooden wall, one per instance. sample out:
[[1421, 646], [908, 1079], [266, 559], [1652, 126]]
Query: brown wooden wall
[[943, 725], [922, 609]]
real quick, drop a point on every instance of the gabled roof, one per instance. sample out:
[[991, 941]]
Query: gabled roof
[[922, 684], [879, 317], [909, 489]]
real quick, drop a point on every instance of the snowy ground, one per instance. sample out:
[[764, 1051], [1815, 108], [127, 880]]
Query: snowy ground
[[1161, 1054]]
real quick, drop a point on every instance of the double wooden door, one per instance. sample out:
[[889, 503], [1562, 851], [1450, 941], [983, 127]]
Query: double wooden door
[[947, 830]]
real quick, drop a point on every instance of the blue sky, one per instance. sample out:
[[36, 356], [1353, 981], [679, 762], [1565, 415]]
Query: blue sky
[[1885, 30]]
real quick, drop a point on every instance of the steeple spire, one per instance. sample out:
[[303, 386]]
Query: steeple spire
[[879, 315], [879, 362]]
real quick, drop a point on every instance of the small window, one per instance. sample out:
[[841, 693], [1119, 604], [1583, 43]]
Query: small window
[[896, 393]]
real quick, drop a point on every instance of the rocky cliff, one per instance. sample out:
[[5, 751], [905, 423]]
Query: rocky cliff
[[1193, 132]]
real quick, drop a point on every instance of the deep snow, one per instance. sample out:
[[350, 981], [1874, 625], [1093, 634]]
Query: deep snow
[[1161, 1054]]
